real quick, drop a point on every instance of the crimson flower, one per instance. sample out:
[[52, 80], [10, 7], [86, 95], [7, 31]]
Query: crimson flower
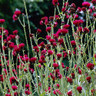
[[85, 4], [59, 55], [66, 26], [90, 66], [14, 87], [1, 78], [73, 43], [48, 29], [7, 94], [17, 12], [2, 21], [15, 32], [12, 79], [27, 92], [39, 30], [86, 30], [73, 75], [88, 79], [50, 52], [77, 22], [94, 15], [27, 86], [69, 93], [14, 17], [55, 65], [93, 1], [79, 88], [33, 59], [69, 80], [54, 2]]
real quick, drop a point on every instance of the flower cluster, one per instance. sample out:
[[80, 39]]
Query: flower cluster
[[63, 63]]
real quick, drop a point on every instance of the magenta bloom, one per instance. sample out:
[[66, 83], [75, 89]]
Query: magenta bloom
[[14, 87], [69, 80], [88, 79], [55, 65], [69, 93], [73, 43], [94, 15], [48, 29], [90, 66], [66, 26], [39, 30], [54, 2], [33, 59], [15, 32], [50, 52], [27, 92], [1, 78], [14, 17], [17, 12], [77, 22], [79, 88], [93, 1], [85, 4], [2, 21]]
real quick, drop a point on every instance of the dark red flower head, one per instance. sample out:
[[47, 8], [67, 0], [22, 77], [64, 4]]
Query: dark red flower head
[[90, 66], [73, 43], [16, 94], [55, 2], [21, 45], [2, 21], [86, 30], [27, 92], [64, 31], [85, 4], [69, 80], [73, 75], [77, 22], [14, 87], [93, 1], [17, 12], [7, 94], [13, 79], [59, 55], [94, 15], [79, 88], [55, 65], [1, 78], [48, 29], [39, 30], [14, 17], [88, 79], [27, 86], [50, 52], [15, 32], [66, 26], [69, 93], [33, 59]]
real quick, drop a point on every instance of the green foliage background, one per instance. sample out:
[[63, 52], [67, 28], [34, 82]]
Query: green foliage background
[[7, 8]]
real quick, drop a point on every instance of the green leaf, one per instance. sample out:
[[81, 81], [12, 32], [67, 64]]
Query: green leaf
[[43, 94]]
